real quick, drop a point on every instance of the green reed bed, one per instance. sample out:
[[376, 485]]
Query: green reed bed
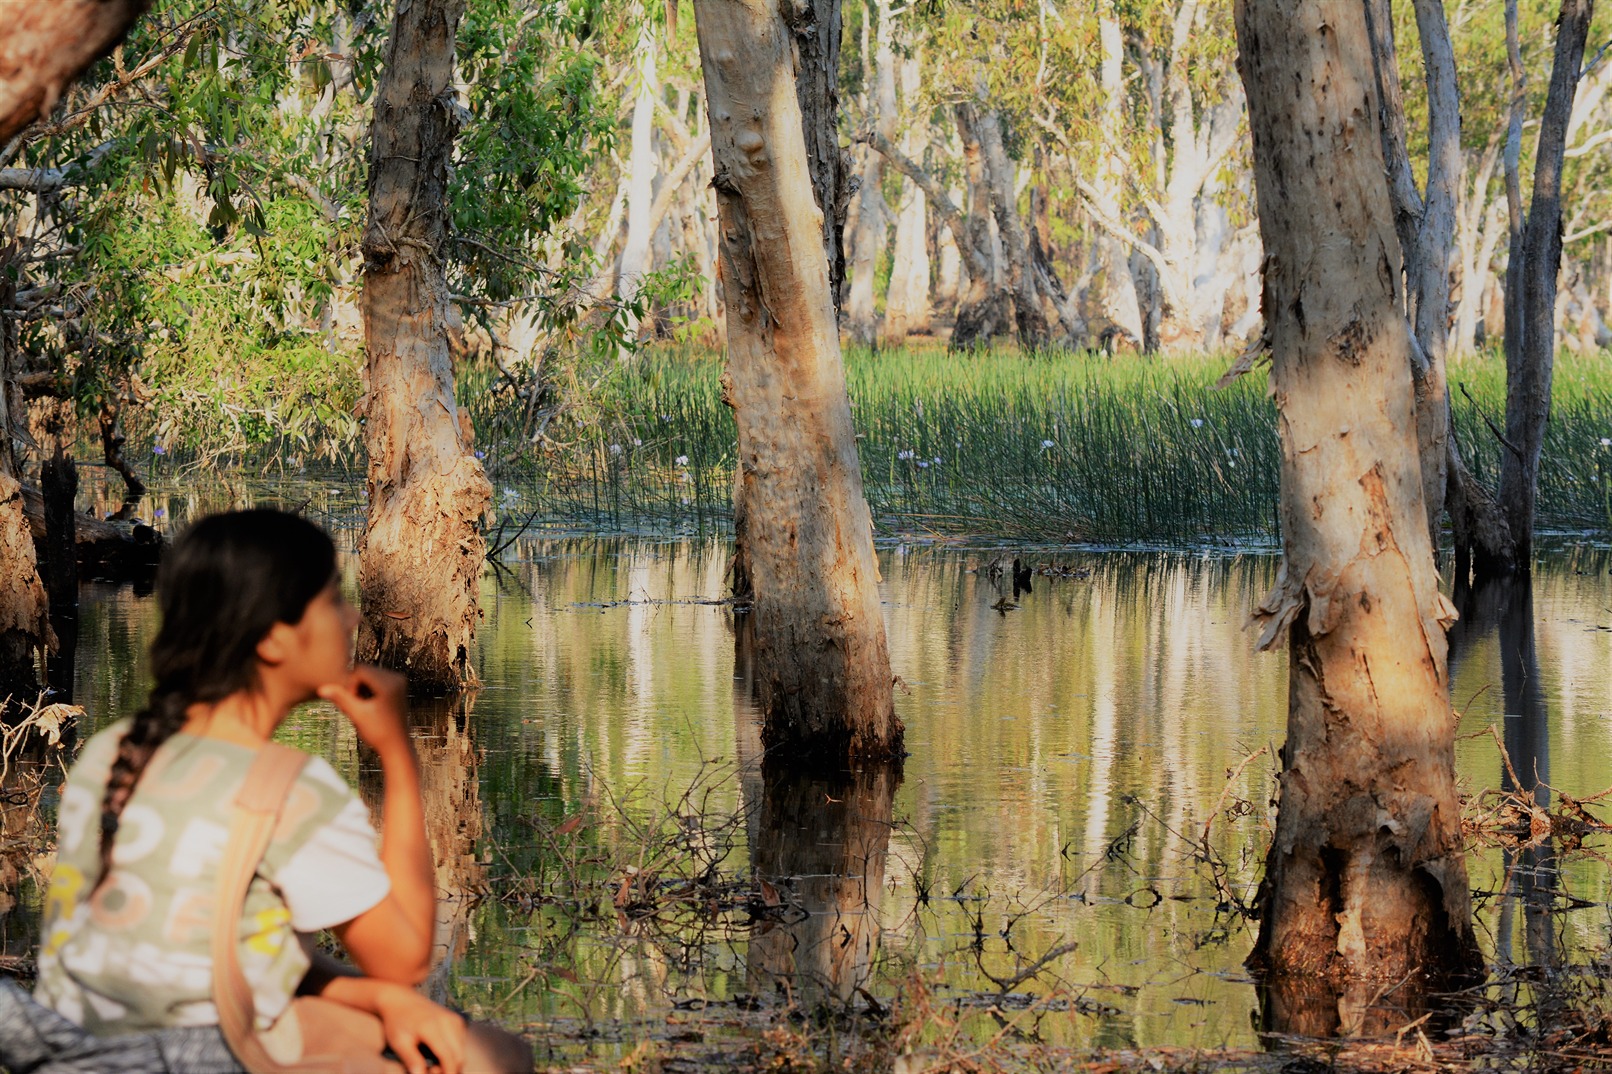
[[1064, 447], [1575, 471]]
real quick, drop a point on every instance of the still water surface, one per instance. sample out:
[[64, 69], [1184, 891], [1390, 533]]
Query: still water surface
[[1066, 757]]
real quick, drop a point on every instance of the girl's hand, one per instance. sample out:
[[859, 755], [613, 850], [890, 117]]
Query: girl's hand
[[409, 1020], [376, 701]]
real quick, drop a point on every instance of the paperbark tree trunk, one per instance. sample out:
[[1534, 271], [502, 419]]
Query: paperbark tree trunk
[[822, 664], [1028, 316], [420, 559], [906, 305], [986, 308], [1536, 258], [24, 605], [47, 45], [1364, 882], [817, 27], [641, 168], [872, 213], [1118, 298]]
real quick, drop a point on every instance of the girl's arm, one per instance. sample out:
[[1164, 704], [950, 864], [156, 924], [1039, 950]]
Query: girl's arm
[[407, 1018], [393, 939]]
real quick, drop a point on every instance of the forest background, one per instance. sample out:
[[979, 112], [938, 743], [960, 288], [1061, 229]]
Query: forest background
[[1050, 255]]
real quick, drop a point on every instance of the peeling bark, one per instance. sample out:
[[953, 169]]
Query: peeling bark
[[420, 559], [47, 45], [822, 664], [1365, 881], [24, 606]]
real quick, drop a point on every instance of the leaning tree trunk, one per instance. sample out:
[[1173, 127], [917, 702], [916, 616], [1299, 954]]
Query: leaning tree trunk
[[1536, 258], [822, 665], [1427, 236], [1364, 881], [985, 309], [421, 556], [816, 26]]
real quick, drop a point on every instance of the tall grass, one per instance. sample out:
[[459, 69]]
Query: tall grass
[[1067, 447]]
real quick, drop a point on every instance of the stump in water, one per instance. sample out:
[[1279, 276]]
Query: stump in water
[[106, 550]]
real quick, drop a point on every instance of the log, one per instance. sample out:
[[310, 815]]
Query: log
[[107, 551]]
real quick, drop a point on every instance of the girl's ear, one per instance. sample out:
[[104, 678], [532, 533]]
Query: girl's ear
[[273, 650]]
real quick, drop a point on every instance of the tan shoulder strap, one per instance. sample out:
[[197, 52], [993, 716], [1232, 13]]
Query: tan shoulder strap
[[257, 811]]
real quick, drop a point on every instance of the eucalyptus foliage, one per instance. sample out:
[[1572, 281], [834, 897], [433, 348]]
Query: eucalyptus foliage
[[202, 262]]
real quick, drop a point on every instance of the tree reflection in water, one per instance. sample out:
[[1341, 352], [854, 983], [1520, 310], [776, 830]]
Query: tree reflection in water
[[819, 841], [454, 822]]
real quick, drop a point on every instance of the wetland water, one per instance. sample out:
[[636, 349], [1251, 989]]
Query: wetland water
[[1066, 755]]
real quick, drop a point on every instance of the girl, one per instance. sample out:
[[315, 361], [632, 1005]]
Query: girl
[[253, 624]]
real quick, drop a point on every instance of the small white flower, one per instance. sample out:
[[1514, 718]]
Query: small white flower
[[615, 449], [511, 494], [1046, 443], [637, 442], [1197, 423], [905, 455], [922, 465], [1606, 441], [682, 460], [937, 460]]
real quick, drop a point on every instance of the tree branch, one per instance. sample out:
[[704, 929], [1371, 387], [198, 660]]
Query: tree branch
[[675, 178], [1119, 231]]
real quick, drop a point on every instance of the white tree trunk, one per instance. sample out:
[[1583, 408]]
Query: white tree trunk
[[641, 169], [1119, 304], [1365, 883], [906, 306], [872, 214]]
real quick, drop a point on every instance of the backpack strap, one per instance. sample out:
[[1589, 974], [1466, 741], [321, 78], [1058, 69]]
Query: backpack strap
[[257, 811]]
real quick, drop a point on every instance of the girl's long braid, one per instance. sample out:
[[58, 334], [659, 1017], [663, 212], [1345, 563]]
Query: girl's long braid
[[225, 582], [153, 725]]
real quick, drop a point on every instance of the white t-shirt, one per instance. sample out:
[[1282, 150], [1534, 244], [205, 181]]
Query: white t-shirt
[[137, 955]]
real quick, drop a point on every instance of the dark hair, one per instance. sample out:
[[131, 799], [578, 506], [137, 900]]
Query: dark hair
[[225, 582]]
